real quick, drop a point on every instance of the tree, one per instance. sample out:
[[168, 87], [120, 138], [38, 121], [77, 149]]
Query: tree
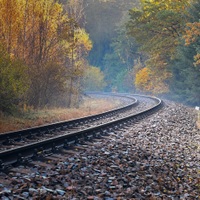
[[31, 31], [185, 84], [76, 11], [157, 26], [48, 40], [79, 46], [149, 81], [13, 82], [93, 79], [118, 63], [192, 37], [10, 23], [102, 18]]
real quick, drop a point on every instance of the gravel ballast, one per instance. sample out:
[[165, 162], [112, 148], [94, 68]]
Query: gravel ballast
[[156, 158]]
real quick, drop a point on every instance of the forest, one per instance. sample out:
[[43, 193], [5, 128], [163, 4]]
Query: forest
[[52, 51]]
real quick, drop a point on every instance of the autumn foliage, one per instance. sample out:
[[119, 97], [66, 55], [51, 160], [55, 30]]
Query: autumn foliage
[[44, 37], [168, 33], [191, 36], [147, 80], [143, 78], [157, 27]]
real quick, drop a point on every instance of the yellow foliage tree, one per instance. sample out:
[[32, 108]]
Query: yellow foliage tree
[[30, 29], [41, 34], [80, 45], [142, 79], [191, 36], [151, 81]]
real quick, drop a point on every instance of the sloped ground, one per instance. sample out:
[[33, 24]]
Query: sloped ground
[[157, 158], [31, 118]]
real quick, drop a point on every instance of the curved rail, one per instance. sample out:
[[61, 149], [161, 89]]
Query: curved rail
[[70, 123], [34, 149]]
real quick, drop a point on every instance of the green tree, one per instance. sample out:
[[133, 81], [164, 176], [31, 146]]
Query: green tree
[[118, 63], [157, 26], [185, 82], [13, 82]]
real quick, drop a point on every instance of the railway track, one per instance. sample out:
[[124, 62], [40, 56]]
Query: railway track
[[20, 146]]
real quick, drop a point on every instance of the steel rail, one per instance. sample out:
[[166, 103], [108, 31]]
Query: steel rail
[[34, 149], [70, 123]]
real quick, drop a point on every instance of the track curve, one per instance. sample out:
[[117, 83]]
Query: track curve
[[22, 153]]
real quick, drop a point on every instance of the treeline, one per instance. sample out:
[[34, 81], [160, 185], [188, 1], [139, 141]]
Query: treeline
[[113, 51], [168, 34], [43, 49], [45, 45]]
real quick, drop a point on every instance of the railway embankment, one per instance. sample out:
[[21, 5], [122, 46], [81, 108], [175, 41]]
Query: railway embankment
[[155, 158]]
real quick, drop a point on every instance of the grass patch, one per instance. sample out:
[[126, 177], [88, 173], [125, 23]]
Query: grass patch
[[33, 118]]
